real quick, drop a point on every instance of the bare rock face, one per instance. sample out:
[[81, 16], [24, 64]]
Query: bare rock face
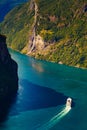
[[39, 42], [8, 77]]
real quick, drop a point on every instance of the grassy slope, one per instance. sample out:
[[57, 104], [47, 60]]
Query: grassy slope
[[16, 26], [59, 21]]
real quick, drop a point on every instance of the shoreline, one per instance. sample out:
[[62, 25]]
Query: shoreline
[[59, 63]]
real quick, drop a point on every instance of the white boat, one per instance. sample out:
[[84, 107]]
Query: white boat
[[68, 102]]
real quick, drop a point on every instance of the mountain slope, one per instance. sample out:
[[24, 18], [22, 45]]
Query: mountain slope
[[50, 30], [7, 5], [8, 79]]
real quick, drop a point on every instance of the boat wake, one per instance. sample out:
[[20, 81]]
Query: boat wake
[[54, 120]]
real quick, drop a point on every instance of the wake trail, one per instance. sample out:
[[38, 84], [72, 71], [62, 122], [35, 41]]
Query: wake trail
[[54, 120]]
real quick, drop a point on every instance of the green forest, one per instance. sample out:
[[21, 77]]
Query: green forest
[[61, 23]]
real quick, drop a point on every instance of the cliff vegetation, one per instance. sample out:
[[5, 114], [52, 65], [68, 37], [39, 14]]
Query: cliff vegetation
[[60, 25]]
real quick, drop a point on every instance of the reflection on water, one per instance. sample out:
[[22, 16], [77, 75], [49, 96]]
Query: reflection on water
[[59, 78], [37, 66]]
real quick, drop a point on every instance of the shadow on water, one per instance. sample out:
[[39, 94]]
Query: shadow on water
[[31, 97], [8, 89], [6, 103]]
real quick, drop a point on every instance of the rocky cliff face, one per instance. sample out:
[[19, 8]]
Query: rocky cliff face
[[52, 30], [8, 78], [36, 42]]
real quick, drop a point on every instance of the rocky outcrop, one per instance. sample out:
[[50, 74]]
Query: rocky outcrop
[[39, 43], [8, 77], [36, 42]]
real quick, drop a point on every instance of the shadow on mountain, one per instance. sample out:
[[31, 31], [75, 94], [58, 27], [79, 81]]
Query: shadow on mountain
[[8, 79]]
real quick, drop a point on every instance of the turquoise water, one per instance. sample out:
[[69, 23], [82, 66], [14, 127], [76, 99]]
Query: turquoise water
[[43, 90]]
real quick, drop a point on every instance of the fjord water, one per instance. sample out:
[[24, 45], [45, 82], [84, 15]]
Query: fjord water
[[43, 90], [7, 5]]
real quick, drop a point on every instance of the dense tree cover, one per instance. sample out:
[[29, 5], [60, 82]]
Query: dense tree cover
[[16, 26], [60, 22]]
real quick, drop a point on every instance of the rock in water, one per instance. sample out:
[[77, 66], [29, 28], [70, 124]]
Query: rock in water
[[8, 78]]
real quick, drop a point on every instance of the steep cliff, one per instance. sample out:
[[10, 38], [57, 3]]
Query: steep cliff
[[53, 30], [8, 78], [36, 42], [8, 69]]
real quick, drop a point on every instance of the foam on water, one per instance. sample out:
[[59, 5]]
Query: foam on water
[[54, 120]]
